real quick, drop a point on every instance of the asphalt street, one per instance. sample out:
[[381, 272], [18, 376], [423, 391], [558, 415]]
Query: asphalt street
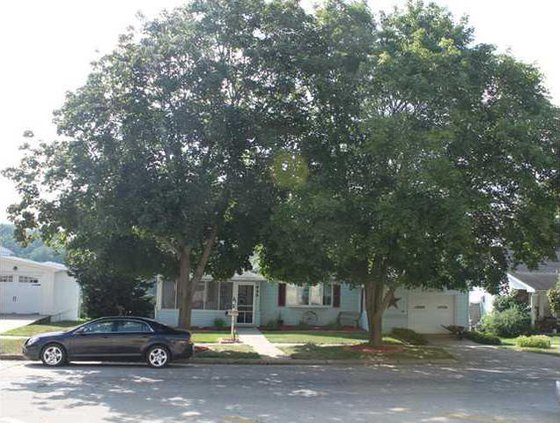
[[487, 385]]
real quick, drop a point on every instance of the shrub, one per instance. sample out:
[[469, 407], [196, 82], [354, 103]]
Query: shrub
[[553, 295], [508, 323], [273, 324], [537, 341], [220, 323], [482, 338], [510, 300], [409, 336]]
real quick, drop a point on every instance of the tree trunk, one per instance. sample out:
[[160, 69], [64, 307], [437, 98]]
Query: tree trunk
[[186, 285], [375, 319], [184, 288], [376, 304]]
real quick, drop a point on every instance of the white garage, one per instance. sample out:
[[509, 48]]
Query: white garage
[[29, 287], [428, 312]]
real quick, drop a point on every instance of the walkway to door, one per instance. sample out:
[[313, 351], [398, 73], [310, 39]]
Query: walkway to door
[[261, 345]]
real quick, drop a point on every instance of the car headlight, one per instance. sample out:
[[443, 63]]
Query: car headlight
[[32, 340]]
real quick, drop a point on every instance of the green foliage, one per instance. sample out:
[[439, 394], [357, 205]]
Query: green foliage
[[536, 341], [553, 295], [110, 295], [409, 336], [509, 300], [432, 160], [509, 323], [272, 324], [35, 249], [482, 338], [170, 141], [219, 323]]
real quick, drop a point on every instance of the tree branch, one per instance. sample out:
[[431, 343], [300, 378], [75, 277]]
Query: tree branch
[[205, 255]]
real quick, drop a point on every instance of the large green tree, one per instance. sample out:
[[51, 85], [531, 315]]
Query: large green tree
[[432, 161], [170, 141]]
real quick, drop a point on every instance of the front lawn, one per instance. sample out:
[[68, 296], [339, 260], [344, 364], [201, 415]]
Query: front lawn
[[228, 351], [36, 329], [387, 353], [316, 337], [11, 346], [210, 337], [554, 348]]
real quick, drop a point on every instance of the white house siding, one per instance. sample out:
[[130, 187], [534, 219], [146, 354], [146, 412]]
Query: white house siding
[[402, 318], [56, 294], [66, 291]]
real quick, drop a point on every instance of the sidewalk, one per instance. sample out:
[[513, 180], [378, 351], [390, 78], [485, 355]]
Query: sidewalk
[[262, 346]]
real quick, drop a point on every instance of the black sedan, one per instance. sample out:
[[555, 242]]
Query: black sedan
[[112, 339]]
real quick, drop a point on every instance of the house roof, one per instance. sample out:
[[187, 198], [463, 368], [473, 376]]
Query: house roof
[[541, 279], [57, 267], [248, 276]]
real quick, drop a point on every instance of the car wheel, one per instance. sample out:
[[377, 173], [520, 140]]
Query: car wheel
[[158, 356], [53, 355]]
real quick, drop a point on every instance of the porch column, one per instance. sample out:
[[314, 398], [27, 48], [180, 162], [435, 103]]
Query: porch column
[[533, 304]]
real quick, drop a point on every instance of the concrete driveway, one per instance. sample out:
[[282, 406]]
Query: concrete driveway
[[490, 385], [13, 321]]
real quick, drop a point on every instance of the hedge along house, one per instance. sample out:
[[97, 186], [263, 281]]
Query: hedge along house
[[261, 302]]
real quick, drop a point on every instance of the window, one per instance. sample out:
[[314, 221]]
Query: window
[[28, 279], [212, 295], [168, 294], [99, 327], [309, 295], [198, 297], [209, 295], [226, 295], [6, 278], [132, 326]]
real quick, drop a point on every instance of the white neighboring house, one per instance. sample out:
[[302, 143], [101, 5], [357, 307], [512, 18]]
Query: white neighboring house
[[531, 284], [30, 287]]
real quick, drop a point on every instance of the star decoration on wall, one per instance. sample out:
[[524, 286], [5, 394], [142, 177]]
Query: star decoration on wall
[[393, 302]]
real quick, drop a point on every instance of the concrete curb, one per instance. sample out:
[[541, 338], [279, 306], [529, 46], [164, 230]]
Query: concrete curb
[[281, 362]]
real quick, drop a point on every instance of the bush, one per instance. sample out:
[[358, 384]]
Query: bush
[[111, 295], [409, 336], [482, 338], [508, 323], [272, 324], [553, 295], [510, 300], [537, 341], [219, 323]]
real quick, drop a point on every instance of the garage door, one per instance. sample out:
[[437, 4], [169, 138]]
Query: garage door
[[427, 312], [20, 294]]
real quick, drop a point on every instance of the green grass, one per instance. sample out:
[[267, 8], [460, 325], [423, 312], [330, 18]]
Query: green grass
[[210, 337], [315, 352], [228, 351], [554, 350], [36, 329], [315, 337], [11, 346]]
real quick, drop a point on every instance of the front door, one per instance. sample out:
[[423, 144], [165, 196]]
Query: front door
[[245, 296]]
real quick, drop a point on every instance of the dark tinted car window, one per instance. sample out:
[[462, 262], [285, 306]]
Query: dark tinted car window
[[99, 327], [128, 326]]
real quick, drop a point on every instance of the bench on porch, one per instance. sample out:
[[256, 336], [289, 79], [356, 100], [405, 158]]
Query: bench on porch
[[348, 318]]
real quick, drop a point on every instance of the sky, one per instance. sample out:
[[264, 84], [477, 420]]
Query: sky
[[46, 48]]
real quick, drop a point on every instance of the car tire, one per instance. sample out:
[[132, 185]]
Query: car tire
[[53, 355], [158, 356]]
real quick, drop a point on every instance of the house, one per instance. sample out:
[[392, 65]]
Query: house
[[30, 287], [531, 285], [260, 302]]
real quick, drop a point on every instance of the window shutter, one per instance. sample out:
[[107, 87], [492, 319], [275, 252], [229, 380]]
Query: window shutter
[[281, 294], [336, 296]]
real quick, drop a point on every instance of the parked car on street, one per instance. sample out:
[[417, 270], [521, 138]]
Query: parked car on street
[[112, 339]]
